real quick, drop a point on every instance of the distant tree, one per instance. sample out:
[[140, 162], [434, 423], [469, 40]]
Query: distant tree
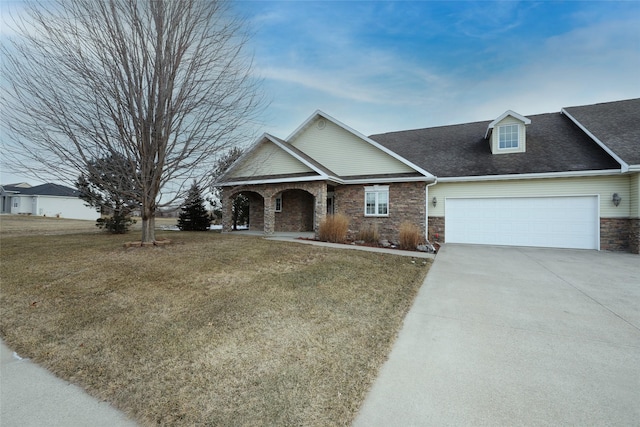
[[193, 213], [240, 207], [110, 183], [166, 84], [240, 210]]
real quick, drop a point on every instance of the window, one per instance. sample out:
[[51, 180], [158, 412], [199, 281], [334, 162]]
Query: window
[[508, 135], [376, 200], [278, 204]]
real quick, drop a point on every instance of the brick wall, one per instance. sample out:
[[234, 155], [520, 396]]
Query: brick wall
[[297, 211], [614, 234], [406, 203]]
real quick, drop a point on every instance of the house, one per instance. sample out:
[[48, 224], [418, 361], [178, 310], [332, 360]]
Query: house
[[569, 179], [52, 200]]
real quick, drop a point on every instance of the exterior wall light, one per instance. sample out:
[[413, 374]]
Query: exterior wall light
[[616, 199], [434, 201]]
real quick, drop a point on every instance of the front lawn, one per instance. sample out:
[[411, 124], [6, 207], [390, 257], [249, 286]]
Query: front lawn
[[214, 329]]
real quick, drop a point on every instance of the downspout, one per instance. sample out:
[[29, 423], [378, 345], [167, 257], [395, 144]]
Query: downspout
[[426, 219]]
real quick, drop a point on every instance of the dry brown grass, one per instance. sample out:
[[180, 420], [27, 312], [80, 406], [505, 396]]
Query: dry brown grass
[[410, 236], [333, 228], [212, 330], [12, 225]]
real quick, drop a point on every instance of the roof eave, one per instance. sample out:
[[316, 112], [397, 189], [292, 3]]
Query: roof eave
[[624, 166], [511, 113], [539, 175]]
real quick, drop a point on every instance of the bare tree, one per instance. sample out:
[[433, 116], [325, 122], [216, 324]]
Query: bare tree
[[164, 84]]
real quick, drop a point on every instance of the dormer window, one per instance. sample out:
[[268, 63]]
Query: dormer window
[[508, 133], [508, 136]]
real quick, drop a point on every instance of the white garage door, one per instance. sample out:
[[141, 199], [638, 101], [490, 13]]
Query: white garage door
[[555, 222]]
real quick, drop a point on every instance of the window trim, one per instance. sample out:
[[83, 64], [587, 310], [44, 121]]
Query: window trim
[[277, 204], [517, 141], [376, 190]]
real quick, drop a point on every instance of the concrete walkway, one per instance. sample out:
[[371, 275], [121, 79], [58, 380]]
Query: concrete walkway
[[30, 396], [516, 336]]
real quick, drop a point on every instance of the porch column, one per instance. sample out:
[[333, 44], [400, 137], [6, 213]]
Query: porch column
[[320, 206], [227, 212], [269, 214]]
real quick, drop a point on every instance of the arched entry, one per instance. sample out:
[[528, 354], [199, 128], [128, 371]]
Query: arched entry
[[299, 206], [294, 211], [245, 210]]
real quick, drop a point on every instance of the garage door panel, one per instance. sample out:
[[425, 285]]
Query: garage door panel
[[564, 222]]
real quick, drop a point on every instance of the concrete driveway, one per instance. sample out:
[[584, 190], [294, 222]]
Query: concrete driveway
[[516, 336]]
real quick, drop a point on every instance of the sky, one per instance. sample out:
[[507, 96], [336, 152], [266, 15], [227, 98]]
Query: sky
[[381, 66]]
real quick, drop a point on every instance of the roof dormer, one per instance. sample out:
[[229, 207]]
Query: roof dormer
[[508, 133]]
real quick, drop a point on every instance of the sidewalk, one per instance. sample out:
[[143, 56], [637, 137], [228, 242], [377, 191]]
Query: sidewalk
[[30, 396]]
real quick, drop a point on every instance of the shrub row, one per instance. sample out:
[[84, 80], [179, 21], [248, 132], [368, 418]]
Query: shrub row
[[334, 228]]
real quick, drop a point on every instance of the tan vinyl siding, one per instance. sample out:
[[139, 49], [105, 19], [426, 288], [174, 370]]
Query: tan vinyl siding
[[345, 153], [268, 159], [604, 186]]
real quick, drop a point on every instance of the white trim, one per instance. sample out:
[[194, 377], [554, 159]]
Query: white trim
[[518, 146], [624, 166], [320, 178], [511, 113], [426, 210], [376, 189], [275, 204], [270, 138], [541, 175], [382, 180], [319, 113], [273, 181]]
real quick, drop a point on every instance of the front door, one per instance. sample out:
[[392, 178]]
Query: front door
[[330, 210]]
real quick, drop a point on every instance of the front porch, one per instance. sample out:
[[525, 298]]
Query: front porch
[[296, 208]]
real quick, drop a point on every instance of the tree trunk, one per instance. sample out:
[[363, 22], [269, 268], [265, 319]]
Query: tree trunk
[[148, 226]]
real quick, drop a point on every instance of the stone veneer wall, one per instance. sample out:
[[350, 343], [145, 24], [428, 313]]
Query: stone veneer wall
[[297, 212], [614, 234], [406, 203], [634, 235], [262, 203], [436, 229], [256, 212]]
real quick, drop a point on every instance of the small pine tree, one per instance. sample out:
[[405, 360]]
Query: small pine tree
[[193, 213]]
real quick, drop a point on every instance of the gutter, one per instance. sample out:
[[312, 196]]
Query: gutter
[[426, 210], [540, 175], [624, 167]]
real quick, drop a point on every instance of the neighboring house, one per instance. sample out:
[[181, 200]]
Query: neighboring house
[[45, 200], [569, 179]]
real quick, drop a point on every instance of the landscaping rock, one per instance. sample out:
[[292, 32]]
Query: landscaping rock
[[427, 247], [385, 243]]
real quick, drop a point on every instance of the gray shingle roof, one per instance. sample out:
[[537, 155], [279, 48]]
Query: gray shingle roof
[[48, 190], [554, 144], [616, 124]]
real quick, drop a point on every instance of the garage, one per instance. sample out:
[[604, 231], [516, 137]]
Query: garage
[[554, 222]]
